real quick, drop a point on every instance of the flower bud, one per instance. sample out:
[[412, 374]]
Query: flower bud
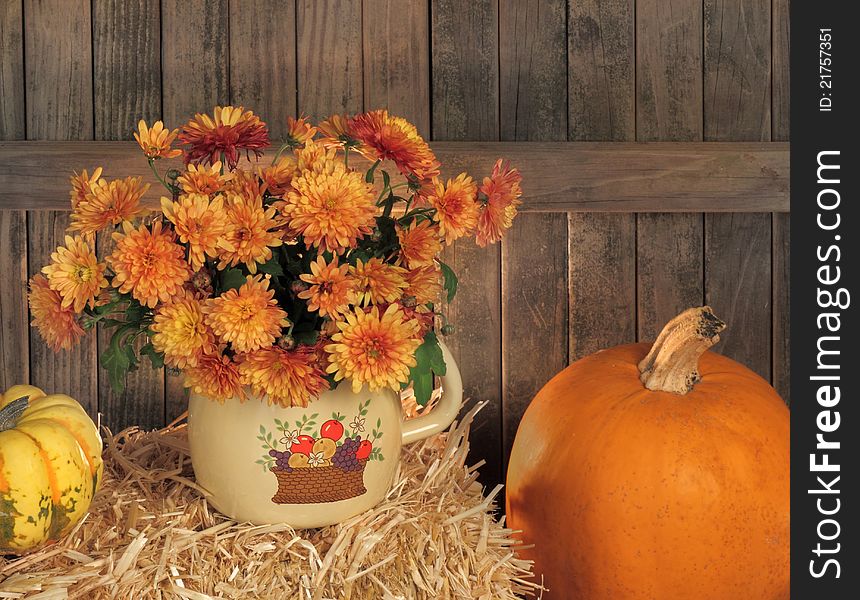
[[447, 329]]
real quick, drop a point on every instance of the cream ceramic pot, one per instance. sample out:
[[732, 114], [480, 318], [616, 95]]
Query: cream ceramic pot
[[313, 466]]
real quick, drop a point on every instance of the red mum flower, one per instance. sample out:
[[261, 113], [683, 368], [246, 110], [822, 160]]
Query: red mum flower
[[232, 130]]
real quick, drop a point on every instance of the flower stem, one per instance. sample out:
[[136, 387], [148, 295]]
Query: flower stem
[[157, 176], [280, 151]]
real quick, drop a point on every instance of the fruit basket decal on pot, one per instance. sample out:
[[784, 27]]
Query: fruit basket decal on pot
[[325, 464]]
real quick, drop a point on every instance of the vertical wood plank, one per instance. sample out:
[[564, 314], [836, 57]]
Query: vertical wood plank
[[668, 70], [601, 247], [263, 60], [737, 69], [195, 58], [127, 69], [601, 80], [397, 59], [329, 57], [602, 292], [464, 63], [11, 71], [670, 269], [532, 106], [59, 69], [72, 372], [14, 335], [781, 376], [465, 69], [738, 285], [780, 50], [533, 76]]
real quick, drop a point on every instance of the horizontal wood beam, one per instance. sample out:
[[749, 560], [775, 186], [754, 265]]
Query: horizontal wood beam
[[557, 177]]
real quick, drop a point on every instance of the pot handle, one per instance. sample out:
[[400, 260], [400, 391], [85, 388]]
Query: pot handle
[[446, 409]]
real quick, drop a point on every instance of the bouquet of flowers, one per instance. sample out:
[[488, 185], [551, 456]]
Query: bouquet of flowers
[[281, 277]]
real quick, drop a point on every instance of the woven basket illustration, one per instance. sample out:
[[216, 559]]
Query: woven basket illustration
[[319, 484]]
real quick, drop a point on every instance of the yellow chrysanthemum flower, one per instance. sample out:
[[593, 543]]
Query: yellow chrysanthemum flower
[[314, 156], [155, 141], [57, 324], [284, 377], [250, 233], [331, 289], [215, 376], [198, 222], [299, 130], [456, 207], [277, 177], [373, 350], [424, 284], [331, 209], [109, 204], [419, 244], [248, 318], [148, 263], [200, 179], [76, 274], [82, 185], [181, 333], [377, 282]]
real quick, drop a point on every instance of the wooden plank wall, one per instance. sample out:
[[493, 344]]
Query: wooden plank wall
[[562, 284]]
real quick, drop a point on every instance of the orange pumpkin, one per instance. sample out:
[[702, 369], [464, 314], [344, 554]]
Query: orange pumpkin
[[661, 474]]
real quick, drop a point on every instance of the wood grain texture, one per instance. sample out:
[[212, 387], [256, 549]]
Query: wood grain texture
[[465, 65], [59, 69], [534, 312], [737, 69], [329, 57], [396, 42], [127, 69], [601, 71], [602, 282], [533, 79], [175, 395], [781, 344], [558, 176], [14, 325], [195, 58], [670, 268], [738, 285], [72, 372], [263, 60], [668, 70], [12, 114], [781, 78]]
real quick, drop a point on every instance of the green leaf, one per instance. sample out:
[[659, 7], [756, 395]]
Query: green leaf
[[450, 280], [115, 361], [272, 267], [232, 279], [369, 177], [422, 385], [156, 358]]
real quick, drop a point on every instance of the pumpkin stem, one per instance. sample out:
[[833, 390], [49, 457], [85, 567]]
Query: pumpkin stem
[[10, 413], [672, 364]]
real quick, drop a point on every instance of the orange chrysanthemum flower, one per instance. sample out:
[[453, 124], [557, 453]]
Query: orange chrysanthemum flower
[[76, 274], [336, 132], [330, 290], [456, 207], [277, 177], [227, 133], [57, 324], [419, 244], [181, 333], [299, 130], [156, 141], [500, 196], [373, 350], [82, 186], [385, 137], [148, 263], [248, 238], [198, 222], [314, 156], [246, 184], [248, 318], [284, 377], [216, 377], [331, 208], [377, 282], [109, 204], [424, 284], [200, 179]]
